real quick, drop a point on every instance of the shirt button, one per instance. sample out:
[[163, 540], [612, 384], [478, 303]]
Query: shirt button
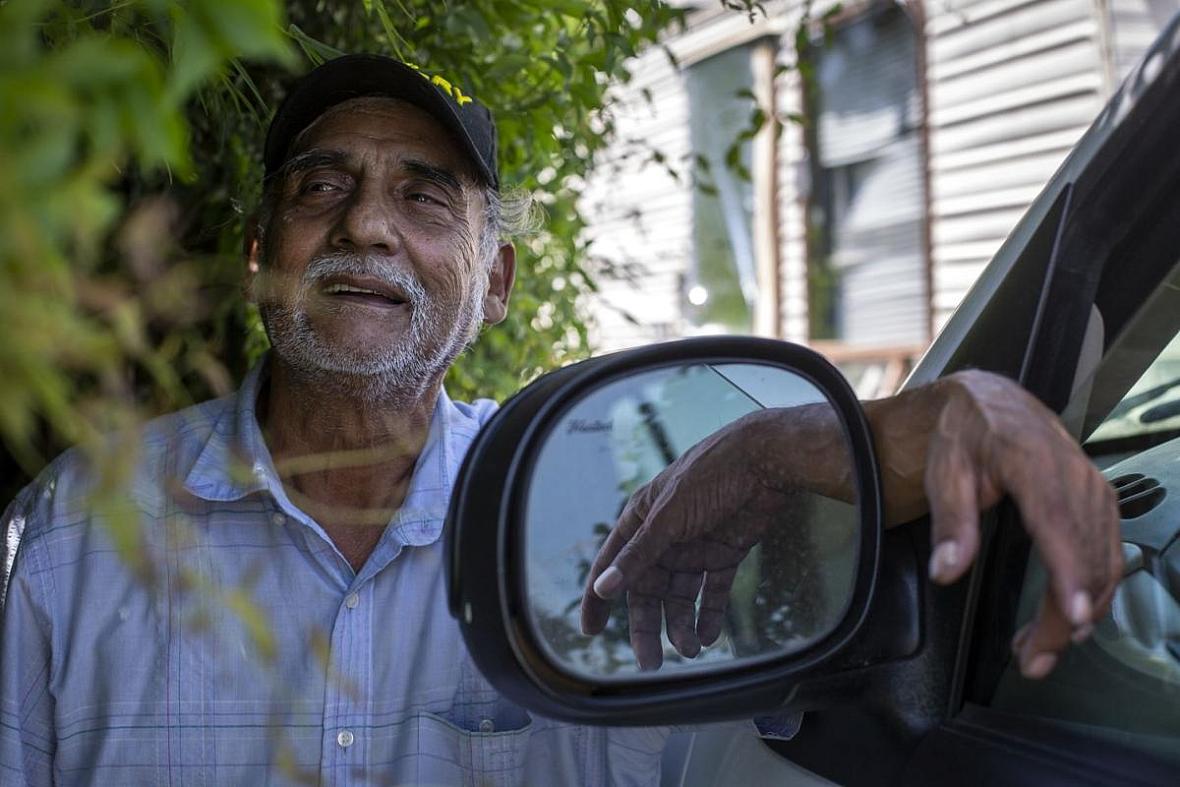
[[345, 738], [276, 519], [351, 600], [487, 725]]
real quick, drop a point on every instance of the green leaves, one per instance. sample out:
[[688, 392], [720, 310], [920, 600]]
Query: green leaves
[[207, 34], [122, 101], [131, 144], [99, 94]]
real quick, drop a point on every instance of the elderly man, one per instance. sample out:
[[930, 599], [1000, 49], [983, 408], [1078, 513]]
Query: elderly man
[[291, 625]]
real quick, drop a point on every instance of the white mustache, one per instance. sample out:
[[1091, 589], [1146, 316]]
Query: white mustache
[[344, 263]]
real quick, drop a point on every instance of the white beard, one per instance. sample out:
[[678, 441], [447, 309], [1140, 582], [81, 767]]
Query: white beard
[[401, 370]]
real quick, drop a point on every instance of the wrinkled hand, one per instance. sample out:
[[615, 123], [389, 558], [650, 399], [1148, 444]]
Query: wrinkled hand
[[954, 447], [993, 439], [682, 535]]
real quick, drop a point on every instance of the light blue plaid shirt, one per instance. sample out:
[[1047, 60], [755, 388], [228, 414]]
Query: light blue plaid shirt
[[106, 679]]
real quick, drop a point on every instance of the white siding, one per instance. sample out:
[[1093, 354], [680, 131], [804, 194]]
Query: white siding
[[1012, 84], [639, 215], [1133, 26]]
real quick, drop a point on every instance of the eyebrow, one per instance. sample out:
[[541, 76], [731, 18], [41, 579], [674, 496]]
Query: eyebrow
[[317, 157], [309, 159], [432, 173]]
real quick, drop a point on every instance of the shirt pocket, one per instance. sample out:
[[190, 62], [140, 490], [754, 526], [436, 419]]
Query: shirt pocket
[[482, 739], [446, 753]]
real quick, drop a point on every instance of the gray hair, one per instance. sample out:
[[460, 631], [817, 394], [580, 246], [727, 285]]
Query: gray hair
[[513, 214]]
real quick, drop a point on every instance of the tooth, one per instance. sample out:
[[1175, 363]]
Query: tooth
[[333, 289]]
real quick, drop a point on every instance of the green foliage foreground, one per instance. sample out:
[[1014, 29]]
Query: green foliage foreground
[[131, 135]]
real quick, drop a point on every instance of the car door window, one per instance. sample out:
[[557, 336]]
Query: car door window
[[1148, 413], [1124, 682]]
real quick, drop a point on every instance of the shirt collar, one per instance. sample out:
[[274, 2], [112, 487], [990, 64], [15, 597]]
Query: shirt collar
[[235, 462]]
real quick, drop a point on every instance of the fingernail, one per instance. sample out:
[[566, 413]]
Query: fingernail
[[1018, 640], [944, 559], [1082, 633], [1080, 608], [689, 648], [608, 583], [1039, 666]]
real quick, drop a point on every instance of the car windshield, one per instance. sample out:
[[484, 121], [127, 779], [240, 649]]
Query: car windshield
[[1151, 405]]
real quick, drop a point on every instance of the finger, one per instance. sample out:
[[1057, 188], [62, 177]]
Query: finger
[[641, 548], [1109, 557], [714, 601], [1045, 637], [596, 606], [1075, 535], [635, 513], [952, 489], [680, 612], [1020, 638], [645, 614]]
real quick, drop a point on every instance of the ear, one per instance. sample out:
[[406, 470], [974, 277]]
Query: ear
[[501, 277], [252, 252]]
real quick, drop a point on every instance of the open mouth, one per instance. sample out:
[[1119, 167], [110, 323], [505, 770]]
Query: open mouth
[[372, 293]]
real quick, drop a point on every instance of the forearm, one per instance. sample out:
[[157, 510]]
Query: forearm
[[902, 426], [806, 446]]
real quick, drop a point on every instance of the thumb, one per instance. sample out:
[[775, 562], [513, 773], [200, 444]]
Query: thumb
[[649, 540]]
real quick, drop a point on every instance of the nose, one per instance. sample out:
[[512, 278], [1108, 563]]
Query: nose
[[366, 222]]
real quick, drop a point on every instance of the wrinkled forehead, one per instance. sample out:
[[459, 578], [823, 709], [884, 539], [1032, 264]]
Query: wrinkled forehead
[[387, 120]]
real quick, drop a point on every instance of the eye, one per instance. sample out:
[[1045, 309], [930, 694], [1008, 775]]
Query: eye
[[318, 186], [321, 182], [423, 198]]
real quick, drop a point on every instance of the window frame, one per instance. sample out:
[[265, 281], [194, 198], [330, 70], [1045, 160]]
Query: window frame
[[1115, 245], [1136, 254]]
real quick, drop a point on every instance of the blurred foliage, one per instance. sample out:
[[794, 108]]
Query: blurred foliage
[[132, 137], [99, 307]]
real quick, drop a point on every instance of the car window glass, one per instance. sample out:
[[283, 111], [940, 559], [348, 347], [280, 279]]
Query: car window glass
[[1151, 405], [1128, 408], [1124, 682]]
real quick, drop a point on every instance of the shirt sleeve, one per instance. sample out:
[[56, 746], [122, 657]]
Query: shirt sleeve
[[27, 740]]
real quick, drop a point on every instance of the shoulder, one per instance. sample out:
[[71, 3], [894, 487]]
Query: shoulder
[[63, 494]]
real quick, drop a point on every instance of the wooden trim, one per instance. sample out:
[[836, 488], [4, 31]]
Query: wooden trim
[[915, 10], [764, 170], [735, 29]]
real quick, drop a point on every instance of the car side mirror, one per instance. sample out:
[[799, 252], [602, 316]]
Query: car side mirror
[[546, 480]]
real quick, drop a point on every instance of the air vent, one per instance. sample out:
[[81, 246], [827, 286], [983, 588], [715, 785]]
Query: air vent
[[1137, 494], [1160, 412]]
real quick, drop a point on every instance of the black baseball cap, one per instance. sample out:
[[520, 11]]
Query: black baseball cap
[[357, 76]]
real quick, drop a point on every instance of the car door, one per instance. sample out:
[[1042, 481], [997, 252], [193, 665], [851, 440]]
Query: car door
[[915, 685], [1080, 306]]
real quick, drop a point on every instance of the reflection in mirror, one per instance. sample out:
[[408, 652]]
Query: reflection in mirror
[[794, 579]]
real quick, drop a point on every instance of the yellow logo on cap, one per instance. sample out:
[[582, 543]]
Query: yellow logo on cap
[[446, 86]]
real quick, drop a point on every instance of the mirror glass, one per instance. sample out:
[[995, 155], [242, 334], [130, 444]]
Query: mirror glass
[[744, 470]]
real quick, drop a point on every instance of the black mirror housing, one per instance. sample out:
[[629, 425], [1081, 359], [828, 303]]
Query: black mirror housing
[[486, 562]]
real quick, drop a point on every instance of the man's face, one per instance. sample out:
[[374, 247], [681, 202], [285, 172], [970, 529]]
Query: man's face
[[371, 271]]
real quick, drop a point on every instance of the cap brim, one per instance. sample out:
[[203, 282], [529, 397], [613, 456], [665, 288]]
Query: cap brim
[[357, 76]]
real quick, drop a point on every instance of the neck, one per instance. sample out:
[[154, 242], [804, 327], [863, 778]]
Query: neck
[[344, 456]]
